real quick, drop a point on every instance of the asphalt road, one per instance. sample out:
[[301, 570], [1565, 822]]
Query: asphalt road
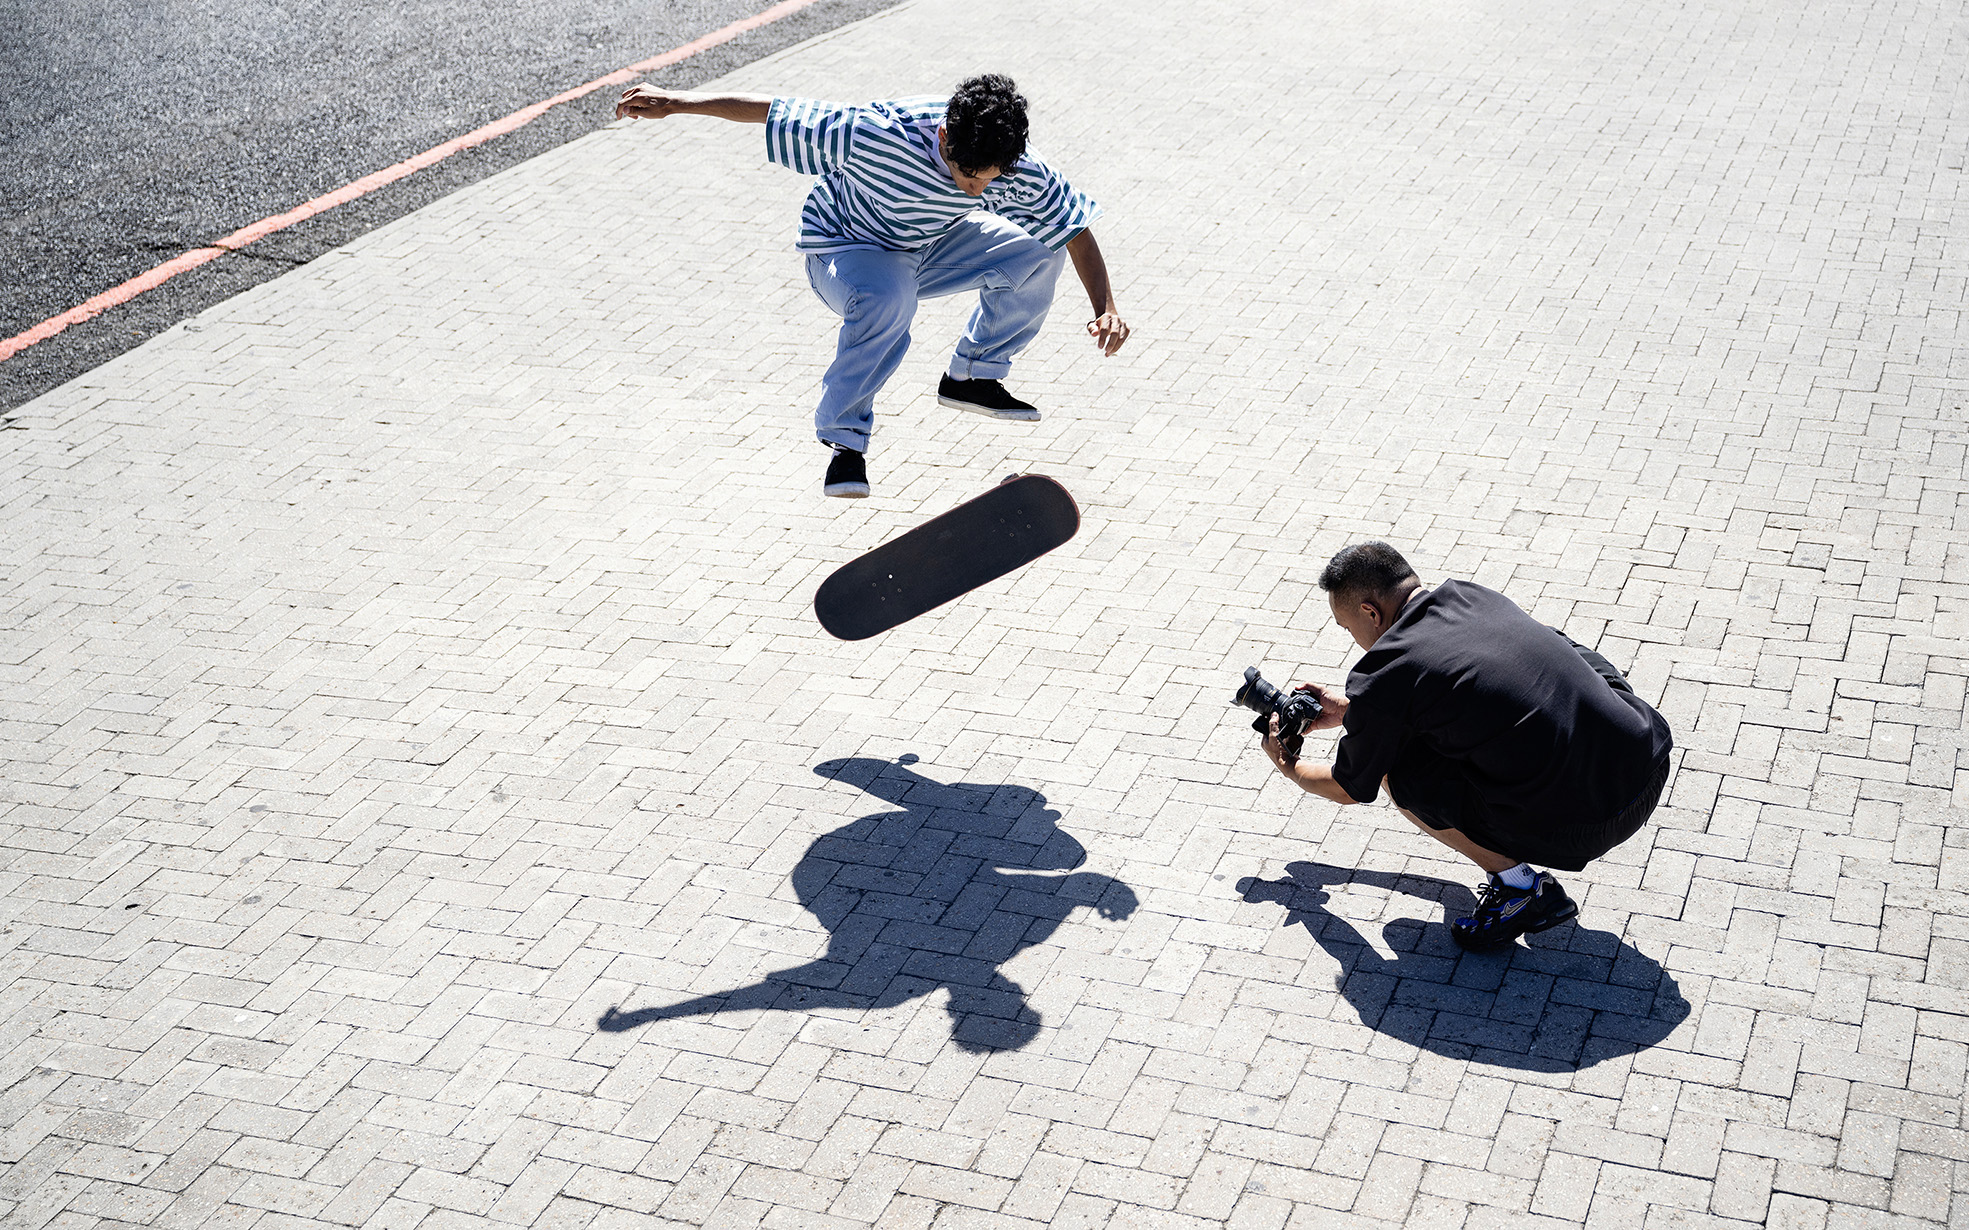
[[132, 132]]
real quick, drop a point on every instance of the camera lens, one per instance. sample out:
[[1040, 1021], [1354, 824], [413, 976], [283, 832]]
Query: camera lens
[[1256, 695]]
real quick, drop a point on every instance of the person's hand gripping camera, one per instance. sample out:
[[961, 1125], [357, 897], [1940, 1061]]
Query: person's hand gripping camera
[[1284, 718]]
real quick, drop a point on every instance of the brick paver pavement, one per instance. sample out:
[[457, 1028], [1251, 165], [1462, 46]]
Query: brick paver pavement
[[429, 802]]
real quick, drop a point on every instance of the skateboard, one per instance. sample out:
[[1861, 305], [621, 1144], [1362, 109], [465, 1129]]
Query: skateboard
[[980, 540]]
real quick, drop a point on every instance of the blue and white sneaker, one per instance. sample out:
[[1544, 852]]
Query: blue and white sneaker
[[1505, 913]]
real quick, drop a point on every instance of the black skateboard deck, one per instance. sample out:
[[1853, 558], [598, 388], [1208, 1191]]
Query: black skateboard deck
[[978, 541]]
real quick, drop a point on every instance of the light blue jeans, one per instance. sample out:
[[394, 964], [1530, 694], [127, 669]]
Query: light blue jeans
[[874, 291]]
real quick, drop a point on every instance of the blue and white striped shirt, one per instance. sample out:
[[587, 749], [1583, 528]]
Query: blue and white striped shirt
[[883, 184]]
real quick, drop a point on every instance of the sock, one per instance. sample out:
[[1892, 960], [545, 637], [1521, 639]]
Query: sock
[[1520, 877]]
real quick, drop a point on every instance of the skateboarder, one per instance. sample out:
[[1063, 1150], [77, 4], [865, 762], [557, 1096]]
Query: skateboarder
[[920, 197]]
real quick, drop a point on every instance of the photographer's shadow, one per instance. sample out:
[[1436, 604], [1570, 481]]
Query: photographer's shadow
[[918, 899], [1566, 1000]]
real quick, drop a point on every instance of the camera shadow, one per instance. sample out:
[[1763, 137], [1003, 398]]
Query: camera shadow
[[1565, 999], [934, 892]]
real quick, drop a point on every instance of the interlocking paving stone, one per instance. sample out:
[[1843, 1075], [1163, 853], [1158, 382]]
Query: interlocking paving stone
[[427, 800]]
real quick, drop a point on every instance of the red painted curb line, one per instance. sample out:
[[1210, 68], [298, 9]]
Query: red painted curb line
[[245, 235]]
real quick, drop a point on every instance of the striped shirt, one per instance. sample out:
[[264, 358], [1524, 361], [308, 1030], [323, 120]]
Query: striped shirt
[[884, 185]]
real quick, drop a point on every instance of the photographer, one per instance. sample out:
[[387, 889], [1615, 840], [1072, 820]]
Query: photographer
[[1496, 735]]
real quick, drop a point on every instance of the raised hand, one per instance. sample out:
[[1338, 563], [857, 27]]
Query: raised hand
[[646, 102]]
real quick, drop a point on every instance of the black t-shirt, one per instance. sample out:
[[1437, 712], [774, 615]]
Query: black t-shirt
[[1538, 735]]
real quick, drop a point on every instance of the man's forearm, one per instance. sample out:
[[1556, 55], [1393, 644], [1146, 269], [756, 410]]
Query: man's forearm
[[739, 108], [1093, 271], [646, 102], [1316, 778], [1107, 328]]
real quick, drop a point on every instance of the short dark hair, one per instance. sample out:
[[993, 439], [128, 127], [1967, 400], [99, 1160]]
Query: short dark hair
[[1367, 568], [986, 124]]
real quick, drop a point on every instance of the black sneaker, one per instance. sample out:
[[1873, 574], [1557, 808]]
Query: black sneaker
[[847, 474], [1505, 913], [984, 397]]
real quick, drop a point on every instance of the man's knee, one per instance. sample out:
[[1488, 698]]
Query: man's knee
[[868, 287], [886, 296], [1016, 256], [1043, 266], [883, 307]]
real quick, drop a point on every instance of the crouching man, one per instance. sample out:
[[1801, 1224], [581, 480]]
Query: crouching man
[[1498, 736]]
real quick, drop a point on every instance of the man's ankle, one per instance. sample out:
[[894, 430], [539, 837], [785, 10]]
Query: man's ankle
[[1521, 877]]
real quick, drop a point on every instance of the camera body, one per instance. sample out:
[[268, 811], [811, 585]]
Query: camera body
[[1296, 710]]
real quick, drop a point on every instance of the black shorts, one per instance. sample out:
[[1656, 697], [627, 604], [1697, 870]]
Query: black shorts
[[1435, 791]]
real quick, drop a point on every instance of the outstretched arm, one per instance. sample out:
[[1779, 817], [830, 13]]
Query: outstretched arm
[[1107, 328], [646, 102]]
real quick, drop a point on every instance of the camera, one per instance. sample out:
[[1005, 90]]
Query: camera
[[1296, 710]]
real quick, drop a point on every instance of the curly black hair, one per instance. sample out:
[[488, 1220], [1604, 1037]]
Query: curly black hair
[[986, 124]]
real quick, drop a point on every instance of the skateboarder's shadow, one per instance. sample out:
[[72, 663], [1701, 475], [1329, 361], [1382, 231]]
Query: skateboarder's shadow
[[1564, 1000], [919, 898]]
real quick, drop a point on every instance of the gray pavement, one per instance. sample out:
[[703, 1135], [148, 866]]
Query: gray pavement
[[412, 698]]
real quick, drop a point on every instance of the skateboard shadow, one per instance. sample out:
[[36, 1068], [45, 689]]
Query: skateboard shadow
[[935, 894], [1567, 999]]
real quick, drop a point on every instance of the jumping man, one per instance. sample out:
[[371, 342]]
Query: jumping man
[[920, 197]]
